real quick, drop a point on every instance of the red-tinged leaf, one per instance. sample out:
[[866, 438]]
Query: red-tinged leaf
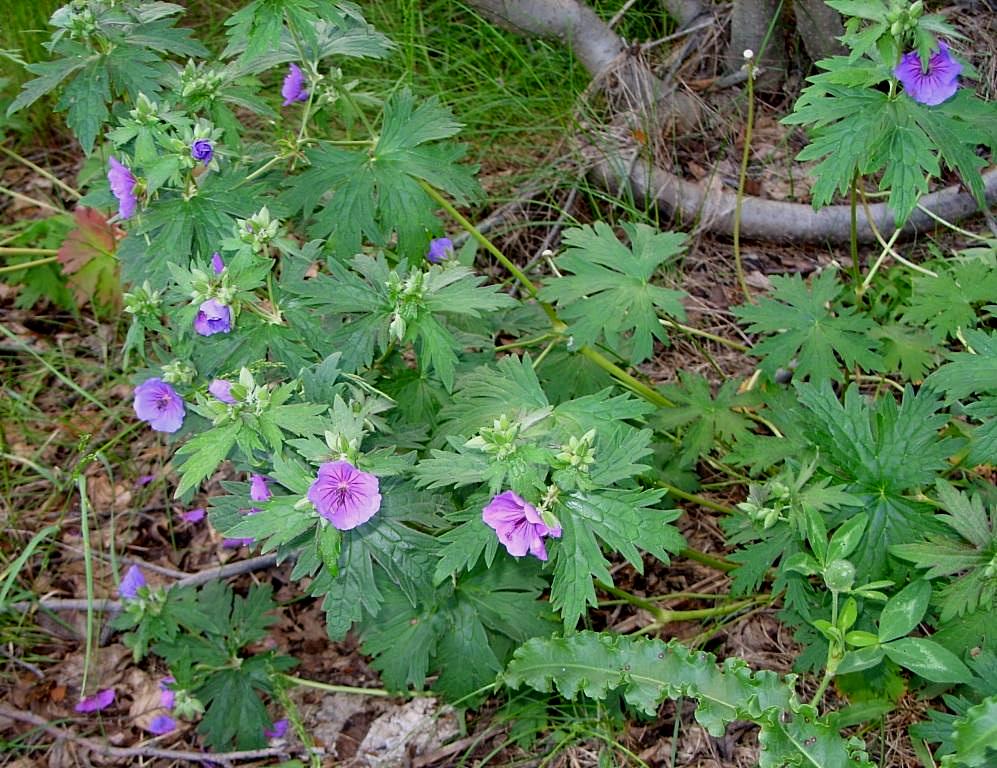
[[87, 255]]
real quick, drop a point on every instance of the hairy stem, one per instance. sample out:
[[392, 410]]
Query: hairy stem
[[742, 178]]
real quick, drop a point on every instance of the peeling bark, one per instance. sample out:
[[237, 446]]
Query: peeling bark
[[749, 28], [601, 51], [819, 27], [776, 220]]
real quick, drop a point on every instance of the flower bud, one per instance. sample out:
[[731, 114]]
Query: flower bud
[[839, 575]]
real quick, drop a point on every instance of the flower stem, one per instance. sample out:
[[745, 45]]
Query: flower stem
[[634, 384], [741, 179], [694, 498], [30, 200], [485, 243], [41, 171], [853, 236], [25, 264], [735, 345], [346, 688], [716, 563]]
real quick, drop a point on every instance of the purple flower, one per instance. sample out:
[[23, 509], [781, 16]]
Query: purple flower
[[193, 515], [518, 525], [122, 187], [222, 390], [236, 543], [294, 86], [159, 404], [213, 317], [258, 490], [130, 584], [932, 86], [216, 263], [277, 731], [440, 250], [144, 480], [100, 700], [202, 150], [167, 696], [344, 495], [161, 724]]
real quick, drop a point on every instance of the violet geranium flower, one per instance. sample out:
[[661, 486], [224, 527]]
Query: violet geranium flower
[[258, 489], [294, 86], [217, 265], [100, 700], [193, 516], [131, 582], [518, 525], [277, 731], [159, 404], [202, 150], [344, 495], [440, 250], [161, 724], [933, 85], [222, 390], [122, 187], [213, 317]]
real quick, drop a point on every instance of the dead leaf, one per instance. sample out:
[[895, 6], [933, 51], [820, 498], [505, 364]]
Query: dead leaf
[[87, 256]]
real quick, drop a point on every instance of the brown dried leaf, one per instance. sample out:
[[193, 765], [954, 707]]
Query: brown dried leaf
[[87, 255]]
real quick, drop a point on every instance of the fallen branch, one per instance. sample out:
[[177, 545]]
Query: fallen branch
[[776, 220], [108, 605], [64, 734]]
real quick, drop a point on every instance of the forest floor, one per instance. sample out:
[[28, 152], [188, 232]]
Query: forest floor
[[65, 405]]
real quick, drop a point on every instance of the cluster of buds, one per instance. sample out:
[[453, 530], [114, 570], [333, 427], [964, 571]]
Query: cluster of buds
[[902, 17], [259, 230], [407, 297], [77, 18], [146, 111], [342, 448], [765, 504], [179, 372], [144, 301], [578, 453], [498, 440], [199, 81]]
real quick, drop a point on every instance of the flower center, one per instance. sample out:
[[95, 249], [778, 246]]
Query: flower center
[[164, 402]]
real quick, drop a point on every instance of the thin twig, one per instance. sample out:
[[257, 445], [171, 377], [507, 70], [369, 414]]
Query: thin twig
[[64, 734], [41, 171], [193, 580]]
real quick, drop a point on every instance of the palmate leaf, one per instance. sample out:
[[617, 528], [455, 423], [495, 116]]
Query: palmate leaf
[[376, 192], [646, 671], [969, 372], [626, 521], [966, 560], [860, 130], [806, 324], [462, 630], [880, 452], [707, 419], [949, 303], [610, 292]]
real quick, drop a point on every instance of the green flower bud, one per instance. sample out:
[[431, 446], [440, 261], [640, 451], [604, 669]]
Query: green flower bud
[[839, 575]]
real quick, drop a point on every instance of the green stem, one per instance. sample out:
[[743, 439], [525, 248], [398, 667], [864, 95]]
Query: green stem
[[735, 345], [524, 342], [485, 243], [741, 179], [634, 384], [25, 264], [853, 235], [30, 200], [716, 563], [42, 172], [81, 487], [694, 498], [345, 688]]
